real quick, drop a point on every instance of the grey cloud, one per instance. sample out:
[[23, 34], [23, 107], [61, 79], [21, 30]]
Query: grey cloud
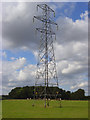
[[19, 30]]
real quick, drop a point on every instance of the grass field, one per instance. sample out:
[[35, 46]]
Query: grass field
[[0, 109], [24, 109]]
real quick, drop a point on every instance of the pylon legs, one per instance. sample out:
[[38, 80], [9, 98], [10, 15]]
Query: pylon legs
[[45, 103]]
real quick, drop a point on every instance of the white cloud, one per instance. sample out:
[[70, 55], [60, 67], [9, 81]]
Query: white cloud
[[27, 73], [80, 85], [12, 58], [72, 44], [17, 73], [72, 31], [19, 63], [4, 54], [84, 15], [13, 65], [72, 68]]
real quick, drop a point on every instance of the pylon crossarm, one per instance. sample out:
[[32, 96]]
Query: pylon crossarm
[[45, 7], [41, 18], [45, 30]]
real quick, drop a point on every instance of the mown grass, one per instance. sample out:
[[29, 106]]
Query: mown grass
[[24, 109], [0, 109]]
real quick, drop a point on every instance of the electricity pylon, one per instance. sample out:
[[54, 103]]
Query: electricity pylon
[[46, 66]]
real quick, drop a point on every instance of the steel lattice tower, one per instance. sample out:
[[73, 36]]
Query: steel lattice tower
[[46, 66]]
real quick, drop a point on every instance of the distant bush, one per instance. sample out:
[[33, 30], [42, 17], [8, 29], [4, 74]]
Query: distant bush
[[52, 93]]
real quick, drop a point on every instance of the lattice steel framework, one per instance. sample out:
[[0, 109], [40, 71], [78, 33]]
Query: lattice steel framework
[[46, 66]]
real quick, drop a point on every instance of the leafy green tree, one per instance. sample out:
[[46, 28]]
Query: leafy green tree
[[52, 92]]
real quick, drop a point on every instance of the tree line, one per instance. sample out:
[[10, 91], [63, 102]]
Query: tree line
[[38, 93]]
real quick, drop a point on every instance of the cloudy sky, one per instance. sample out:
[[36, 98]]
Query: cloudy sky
[[20, 44]]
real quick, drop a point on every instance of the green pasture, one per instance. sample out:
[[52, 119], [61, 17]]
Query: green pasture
[[0, 109], [24, 109]]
